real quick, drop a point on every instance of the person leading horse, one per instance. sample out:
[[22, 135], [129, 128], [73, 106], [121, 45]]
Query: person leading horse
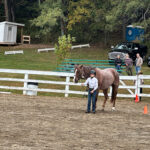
[[106, 78]]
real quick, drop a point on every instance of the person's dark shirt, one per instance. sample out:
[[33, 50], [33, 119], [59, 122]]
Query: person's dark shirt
[[118, 61]]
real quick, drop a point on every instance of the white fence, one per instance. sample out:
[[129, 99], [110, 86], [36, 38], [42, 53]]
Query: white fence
[[46, 50], [73, 47], [68, 82], [13, 52], [80, 46]]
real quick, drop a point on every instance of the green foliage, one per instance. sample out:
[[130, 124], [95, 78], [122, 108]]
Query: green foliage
[[127, 12], [79, 12], [63, 48], [50, 13]]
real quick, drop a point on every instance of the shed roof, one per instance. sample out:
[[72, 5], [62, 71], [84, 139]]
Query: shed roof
[[12, 23]]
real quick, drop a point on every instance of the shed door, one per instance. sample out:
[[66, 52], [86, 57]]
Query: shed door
[[10, 34]]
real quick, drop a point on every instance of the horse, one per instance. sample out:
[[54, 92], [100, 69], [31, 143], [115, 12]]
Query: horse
[[106, 78]]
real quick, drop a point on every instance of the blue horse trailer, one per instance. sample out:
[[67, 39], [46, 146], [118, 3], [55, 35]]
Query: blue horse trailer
[[134, 33]]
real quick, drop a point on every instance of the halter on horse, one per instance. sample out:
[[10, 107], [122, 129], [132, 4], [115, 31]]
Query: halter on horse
[[106, 78]]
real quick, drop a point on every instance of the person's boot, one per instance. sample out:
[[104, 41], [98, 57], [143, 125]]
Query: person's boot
[[87, 112]]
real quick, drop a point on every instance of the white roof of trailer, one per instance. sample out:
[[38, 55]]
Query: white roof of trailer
[[139, 27], [12, 23], [131, 26]]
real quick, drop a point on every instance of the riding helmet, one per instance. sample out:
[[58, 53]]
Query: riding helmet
[[93, 72]]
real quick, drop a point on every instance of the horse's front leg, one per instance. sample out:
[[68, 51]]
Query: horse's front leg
[[106, 97]]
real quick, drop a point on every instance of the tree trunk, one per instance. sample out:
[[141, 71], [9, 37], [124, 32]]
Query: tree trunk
[[9, 10], [62, 26], [12, 8], [39, 2], [105, 37], [124, 30], [6, 10]]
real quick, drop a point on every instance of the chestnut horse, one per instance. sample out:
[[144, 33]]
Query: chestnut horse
[[106, 78]]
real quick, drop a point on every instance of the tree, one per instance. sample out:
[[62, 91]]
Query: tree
[[125, 12], [81, 20], [87, 20], [79, 12], [52, 14]]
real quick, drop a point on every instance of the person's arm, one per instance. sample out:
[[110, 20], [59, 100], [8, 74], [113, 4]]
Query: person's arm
[[85, 83], [125, 62], [135, 61], [115, 62], [120, 62], [141, 62], [142, 81]]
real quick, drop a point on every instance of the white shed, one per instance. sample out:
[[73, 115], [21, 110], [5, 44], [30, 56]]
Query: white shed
[[8, 32]]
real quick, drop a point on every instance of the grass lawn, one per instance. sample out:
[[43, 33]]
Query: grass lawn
[[46, 61]]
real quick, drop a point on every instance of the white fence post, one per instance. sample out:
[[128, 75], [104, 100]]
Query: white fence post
[[67, 86], [25, 83], [138, 85]]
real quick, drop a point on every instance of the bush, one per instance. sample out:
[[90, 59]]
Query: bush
[[62, 49]]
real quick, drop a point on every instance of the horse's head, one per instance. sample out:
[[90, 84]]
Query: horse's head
[[79, 73]]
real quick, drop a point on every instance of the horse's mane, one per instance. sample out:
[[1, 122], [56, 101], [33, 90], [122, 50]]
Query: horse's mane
[[87, 70]]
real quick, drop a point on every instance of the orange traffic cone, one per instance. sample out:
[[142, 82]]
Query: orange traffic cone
[[145, 109], [136, 99]]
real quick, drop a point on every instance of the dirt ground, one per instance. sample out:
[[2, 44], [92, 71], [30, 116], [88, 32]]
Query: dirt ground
[[50, 123]]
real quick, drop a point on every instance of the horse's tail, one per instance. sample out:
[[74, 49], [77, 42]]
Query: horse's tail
[[116, 76], [115, 86]]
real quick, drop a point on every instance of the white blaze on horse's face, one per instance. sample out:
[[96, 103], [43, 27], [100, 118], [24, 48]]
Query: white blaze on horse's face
[[75, 75]]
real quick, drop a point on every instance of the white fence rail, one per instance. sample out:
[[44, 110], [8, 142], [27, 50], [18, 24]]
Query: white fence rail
[[13, 52], [132, 89], [46, 50], [73, 47], [80, 46]]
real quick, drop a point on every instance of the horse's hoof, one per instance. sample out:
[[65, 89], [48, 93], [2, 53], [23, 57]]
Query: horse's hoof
[[111, 101], [102, 109], [113, 109]]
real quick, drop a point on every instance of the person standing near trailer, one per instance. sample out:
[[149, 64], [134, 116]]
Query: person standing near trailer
[[129, 64], [138, 63], [118, 63]]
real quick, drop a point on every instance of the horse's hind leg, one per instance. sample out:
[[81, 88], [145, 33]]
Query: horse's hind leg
[[106, 97], [114, 94]]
